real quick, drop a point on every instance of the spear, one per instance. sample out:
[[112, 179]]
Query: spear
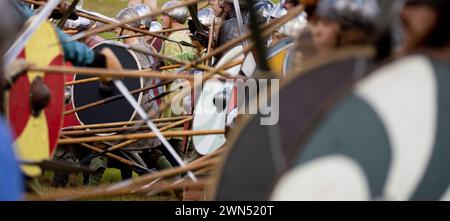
[[141, 35], [109, 72], [119, 96], [128, 142], [124, 90], [140, 136], [104, 19], [67, 13], [123, 123], [82, 81], [115, 25], [113, 156]]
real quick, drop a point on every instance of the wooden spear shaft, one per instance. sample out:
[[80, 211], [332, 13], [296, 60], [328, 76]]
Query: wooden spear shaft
[[113, 98], [110, 73], [210, 40], [268, 28], [131, 28], [141, 35], [124, 26], [113, 156], [169, 67], [128, 142], [134, 19], [186, 64], [141, 136], [272, 25], [123, 187], [122, 123], [82, 81], [108, 130]]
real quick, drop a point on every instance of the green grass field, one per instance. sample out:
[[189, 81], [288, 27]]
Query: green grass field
[[106, 7]]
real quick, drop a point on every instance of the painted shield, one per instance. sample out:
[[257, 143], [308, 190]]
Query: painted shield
[[36, 137], [259, 153], [387, 140], [277, 57], [208, 113], [116, 111]]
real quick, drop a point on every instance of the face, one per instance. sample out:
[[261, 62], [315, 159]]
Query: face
[[418, 21], [288, 5], [166, 21], [325, 34], [216, 7]]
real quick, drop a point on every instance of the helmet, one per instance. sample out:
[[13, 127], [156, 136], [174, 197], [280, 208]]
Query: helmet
[[263, 10], [126, 14], [206, 16], [79, 5], [80, 24], [295, 26], [141, 10], [361, 13], [179, 14], [155, 26]]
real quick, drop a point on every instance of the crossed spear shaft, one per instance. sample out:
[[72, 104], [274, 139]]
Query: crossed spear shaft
[[116, 97], [118, 24], [276, 23], [141, 184], [123, 160], [266, 30]]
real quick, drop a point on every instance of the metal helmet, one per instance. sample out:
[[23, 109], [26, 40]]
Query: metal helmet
[[80, 24], [295, 26], [263, 10], [141, 10], [79, 5], [206, 16], [179, 14], [361, 13], [155, 26], [128, 13]]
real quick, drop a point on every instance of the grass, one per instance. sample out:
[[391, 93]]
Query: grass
[[44, 185], [107, 7]]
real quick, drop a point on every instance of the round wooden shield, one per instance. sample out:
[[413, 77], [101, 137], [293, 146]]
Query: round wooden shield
[[36, 137], [115, 111], [277, 56], [259, 152], [210, 116], [387, 140]]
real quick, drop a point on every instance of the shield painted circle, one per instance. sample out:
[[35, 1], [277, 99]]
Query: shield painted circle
[[259, 153], [116, 111], [35, 138]]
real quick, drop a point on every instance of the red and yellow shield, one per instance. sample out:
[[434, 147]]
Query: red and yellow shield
[[35, 137]]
